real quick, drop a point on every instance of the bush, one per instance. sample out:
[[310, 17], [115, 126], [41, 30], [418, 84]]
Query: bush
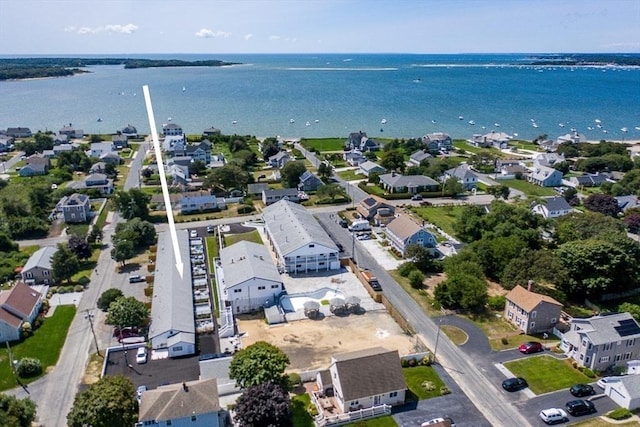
[[78, 288], [245, 209], [620, 414], [295, 379], [84, 281], [406, 268], [426, 361], [497, 303], [108, 297], [588, 372], [415, 279], [29, 367], [404, 363], [504, 340], [412, 362], [444, 390], [312, 410]]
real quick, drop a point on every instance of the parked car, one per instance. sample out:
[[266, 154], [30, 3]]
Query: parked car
[[439, 422], [126, 333], [530, 347], [193, 234], [416, 197], [343, 223], [580, 390], [128, 330], [211, 229], [580, 407], [514, 384], [141, 389], [135, 278], [602, 382], [141, 355], [553, 415]]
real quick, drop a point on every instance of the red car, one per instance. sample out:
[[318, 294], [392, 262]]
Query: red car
[[530, 347], [125, 333]]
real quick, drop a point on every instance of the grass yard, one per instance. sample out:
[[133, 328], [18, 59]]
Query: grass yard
[[528, 188], [324, 144], [300, 415], [419, 295], [386, 421], [442, 216], [45, 344], [599, 422], [417, 376], [545, 373], [350, 175], [455, 334], [524, 145], [251, 236]]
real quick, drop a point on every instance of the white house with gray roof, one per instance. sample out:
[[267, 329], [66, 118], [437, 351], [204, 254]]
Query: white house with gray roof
[[625, 392], [38, 269], [251, 279], [172, 317], [545, 176], [398, 183], [552, 207], [603, 341], [301, 245], [468, 179]]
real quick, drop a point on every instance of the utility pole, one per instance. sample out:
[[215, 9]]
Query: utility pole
[[89, 315], [435, 348]]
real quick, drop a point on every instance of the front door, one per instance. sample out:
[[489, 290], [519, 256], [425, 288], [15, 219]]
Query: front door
[[376, 400]]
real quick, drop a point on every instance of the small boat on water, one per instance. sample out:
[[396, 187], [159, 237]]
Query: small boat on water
[[561, 125], [383, 121], [460, 117], [99, 119], [235, 122], [433, 121], [637, 128], [308, 124], [589, 128], [418, 80], [534, 124], [184, 88], [497, 125], [624, 129], [471, 122], [169, 118], [598, 121], [292, 121], [317, 121]]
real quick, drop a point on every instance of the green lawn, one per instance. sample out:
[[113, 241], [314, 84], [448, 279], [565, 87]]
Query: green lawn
[[524, 145], [251, 236], [416, 376], [442, 216], [528, 188], [300, 416], [350, 175], [324, 144], [545, 373], [45, 344], [386, 421]]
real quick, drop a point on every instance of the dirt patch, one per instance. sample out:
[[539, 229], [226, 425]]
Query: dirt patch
[[311, 343], [430, 283], [93, 371], [495, 289]]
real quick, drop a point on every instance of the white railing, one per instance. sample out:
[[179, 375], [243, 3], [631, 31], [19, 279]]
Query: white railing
[[349, 417], [226, 320]]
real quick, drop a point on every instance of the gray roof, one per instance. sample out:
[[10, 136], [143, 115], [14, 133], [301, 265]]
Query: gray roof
[[257, 188], [40, 258], [542, 173], [397, 180], [369, 372], [420, 155], [556, 203], [461, 172], [607, 328], [628, 202], [175, 401], [292, 226], [632, 385], [172, 306], [246, 260]]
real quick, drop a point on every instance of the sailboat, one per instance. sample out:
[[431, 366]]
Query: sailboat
[[184, 88]]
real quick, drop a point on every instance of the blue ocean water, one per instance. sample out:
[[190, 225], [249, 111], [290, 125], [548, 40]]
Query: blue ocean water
[[332, 95]]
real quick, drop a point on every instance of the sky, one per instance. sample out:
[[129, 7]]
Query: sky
[[317, 26]]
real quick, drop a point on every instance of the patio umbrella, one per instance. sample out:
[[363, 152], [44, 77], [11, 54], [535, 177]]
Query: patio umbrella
[[311, 306], [353, 301], [337, 303]]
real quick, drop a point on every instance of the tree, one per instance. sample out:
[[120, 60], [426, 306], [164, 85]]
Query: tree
[[127, 312], [140, 233], [79, 246], [331, 190], [122, 251], [632, 309], [64, 263], [571, 196], [259, 363], [6, 244], [325, 170], [226, 178], [415, 279], [16, 412], [452, 187], [291, 173], [603, 203], [269, 148], [421, 257], [541, 266], [110, 402], [465, 286], [469, 225], [95, 235], [498, 191], [197, 167], [132, 203], [632, 222], [107, 297], [586, 225], [393, 160], [263, 405]]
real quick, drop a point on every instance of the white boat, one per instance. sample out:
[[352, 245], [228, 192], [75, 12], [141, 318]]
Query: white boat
[[625, 130], [535, 125], [532, 120], [561, 125], [597, 121], [308, 124], [497, 125], [317, 121], [515, 134], [460, 117], [637, 128], [99, 119], [433, 121], [292, 121], [471, 122], [589, 128], [169, 118], [184, 88], [235, 122], [383, 121]]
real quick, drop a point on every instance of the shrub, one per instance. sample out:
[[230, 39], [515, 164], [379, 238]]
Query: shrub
[[588, 372], [312, 410], [412, 362], [425, 361], [84, 281], [406, 268], [428, 385], [78, 288], [620, 414], [444, 390], [574, 364], [107, 297], [29, 367], [496, 303], [504, 340], [295, 379], [404, 363], [245, 209]]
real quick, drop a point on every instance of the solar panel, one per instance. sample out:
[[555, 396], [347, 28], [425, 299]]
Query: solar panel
[[627, 327]]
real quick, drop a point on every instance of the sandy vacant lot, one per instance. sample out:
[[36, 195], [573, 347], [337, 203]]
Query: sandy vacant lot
[[310, 343]]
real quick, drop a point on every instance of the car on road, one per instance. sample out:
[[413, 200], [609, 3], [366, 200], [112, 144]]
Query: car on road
[[343, 223], [416, 197], [439, 422], [530, 347], [553, 416], [581, 390], [210, 229], [141, 355], [193, 234], [514, 384], [602, 382], [580, 407], [141, 389], [340, 247], [135, 278]]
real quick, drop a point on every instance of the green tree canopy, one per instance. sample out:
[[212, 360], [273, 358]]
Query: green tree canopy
[[393, 160], [140, 233], [79, 246], [264, 405], [122, 251], [632, 309], [331, 190], [602, 203], [259, 363], [325, 170], [132, 204], [226, 178], [541, 266], [64, 263], [127, 312], [110, 402], [291, 173], [16, 412], [107, 297], [453, 187], [586, 225]]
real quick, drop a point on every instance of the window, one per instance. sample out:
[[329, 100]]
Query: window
[[235, 291], [510, 315], [618, 357], [604, 359], [275, 286], [586, 361], [45, 272], [533, 314], [393, 394], [607, 346], [168, 422], [177, 348], [581, 356], [260, 288], [554, 320], [631, 342], [627, 355], [312, 245], [533, 325]]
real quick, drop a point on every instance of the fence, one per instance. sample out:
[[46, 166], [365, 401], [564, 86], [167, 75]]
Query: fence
[[349, 417]]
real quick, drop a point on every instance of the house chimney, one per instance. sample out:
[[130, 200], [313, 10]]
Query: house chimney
[[530, 285]]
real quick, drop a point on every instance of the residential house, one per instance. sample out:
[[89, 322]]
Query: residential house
[[633, 150], [129, 131], [172, 129], [403, 231], [531, 312], [398, 183], [280, 159], [98, 167], [112, 158], [6, 143], [183, 161], [573, 137], [172, 327], [499, 140], [199, 152], [119, 141], [33, 170], [625, 392], [191, 403], [437, 141], [545, 176], [419, 156], [18, 132], [548, 159], [549, 145], [64, 148], [271, 196], [354, 157], [97, 149], [589, 179], [468, 179], [364, 378], [179, 175], [552, 207], [18, 305], [217, 161], [309, 182], [174, 144], [251, 279], [368, 167], [377, 209], [199, 202], [299, 242], [39, 159], [603, 341], [256, 189], [71, 132], [97, 181], [360, 141], [211, 131], [60, 139], [511, 171], [38, 270], [628, 202], [75, 208]]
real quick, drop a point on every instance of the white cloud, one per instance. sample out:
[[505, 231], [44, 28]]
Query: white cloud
[[248, 36], [274, 37], [111, 28], [209, 34]]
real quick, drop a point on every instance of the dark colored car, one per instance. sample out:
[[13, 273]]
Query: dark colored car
[[135, 278], [340, 247], [125, 332], [580, 407], [530, 347], [343, 223], [514, 384], [580, 390]]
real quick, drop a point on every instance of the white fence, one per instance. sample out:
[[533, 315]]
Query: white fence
[[349, 417]]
